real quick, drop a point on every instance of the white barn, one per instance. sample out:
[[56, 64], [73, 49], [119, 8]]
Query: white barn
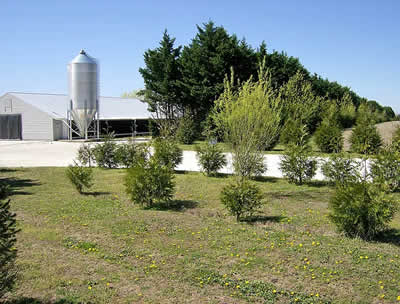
[[31, 116]]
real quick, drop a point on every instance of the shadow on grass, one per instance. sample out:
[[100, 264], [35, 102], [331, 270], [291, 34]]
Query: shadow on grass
[[95, 193], [266, 179], [176, 205], [262, 219], [25, 300], [390, 236], [319, 184], [7, 170], [17, 183]]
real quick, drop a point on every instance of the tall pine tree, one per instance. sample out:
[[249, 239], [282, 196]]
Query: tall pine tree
[[161, 77]]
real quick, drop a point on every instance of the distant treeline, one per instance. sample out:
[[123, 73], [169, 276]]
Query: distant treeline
[[189, 79]]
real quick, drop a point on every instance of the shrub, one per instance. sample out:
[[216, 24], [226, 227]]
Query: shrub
[[8, 252], [340, 169], [396, 139], [385, 169], [241, 198], [347, 112], [5, 190], [365, 138], [150, 182], [167, 152], [86, 155], [248, 165], [187, 131], [250, 118], [361, 209], [211, 158], [129, 153], [293, 133], [80, 176], [104, 153], [297, 165], [328, 136]]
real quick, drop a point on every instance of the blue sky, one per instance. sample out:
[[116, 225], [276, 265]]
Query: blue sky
[[356, 43]]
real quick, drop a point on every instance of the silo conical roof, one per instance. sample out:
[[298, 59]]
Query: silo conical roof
[[83, 58]]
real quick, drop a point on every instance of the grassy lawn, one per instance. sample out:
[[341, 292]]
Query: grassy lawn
[[100, 248]]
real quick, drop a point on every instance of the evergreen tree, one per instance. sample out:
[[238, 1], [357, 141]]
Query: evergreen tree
[[8, 253], [161, 77], [206, 61]]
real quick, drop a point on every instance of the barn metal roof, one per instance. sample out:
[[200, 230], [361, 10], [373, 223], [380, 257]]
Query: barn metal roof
[[56, 105]]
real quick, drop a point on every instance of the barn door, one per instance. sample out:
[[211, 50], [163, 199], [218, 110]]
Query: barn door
[[10, 126]]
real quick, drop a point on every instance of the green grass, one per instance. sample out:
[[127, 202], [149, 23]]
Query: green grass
[[100, 248]]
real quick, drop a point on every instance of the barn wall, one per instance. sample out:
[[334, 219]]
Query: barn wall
[[36, 125]]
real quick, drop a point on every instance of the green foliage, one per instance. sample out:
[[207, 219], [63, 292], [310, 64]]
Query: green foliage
[[150, 182], [249, 118], [80, 176], [5, 190], [86, 155], [297, 165], [361, 209], [161, 76], [211, 158], [385, 169], [8, 253], [328, 136], [167, 152], [396, 139], [241, 198], [340, 168], [365, 138], [300, 104], [129, 153], [205, 63], [187, 130], [104, 153], [248, 165], [293, 133], [347, 112]]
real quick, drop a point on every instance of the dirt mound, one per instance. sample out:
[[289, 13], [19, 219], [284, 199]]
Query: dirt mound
[[385, 129]]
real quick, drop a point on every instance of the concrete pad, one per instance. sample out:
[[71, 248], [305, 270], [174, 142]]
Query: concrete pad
[[62, 154]]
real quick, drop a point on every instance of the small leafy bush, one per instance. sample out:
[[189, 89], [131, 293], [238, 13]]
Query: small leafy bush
[[86, 155], [328, 137], [339, 169], [297, 165], [248, 165], [80, 176], [167, 152], [385, 169], [150, 182], [365, 138], [5, 190], [294, 132], [187, 131], [8, 253], [241, 198], [105, 155], [396, 139], [361, 209], [211, 158], [129, 153]]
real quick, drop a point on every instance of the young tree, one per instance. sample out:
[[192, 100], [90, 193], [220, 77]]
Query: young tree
[[250, 119], [365, 138], [8, 253], [161, 77]]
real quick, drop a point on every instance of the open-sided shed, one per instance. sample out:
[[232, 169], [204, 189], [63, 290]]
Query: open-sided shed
[[32, 116]]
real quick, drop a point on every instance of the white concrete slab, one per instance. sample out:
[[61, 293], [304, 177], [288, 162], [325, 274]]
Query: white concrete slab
[[61, 154]]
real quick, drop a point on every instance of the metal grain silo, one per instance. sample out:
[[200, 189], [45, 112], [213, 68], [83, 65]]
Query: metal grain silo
[[83, 91]]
